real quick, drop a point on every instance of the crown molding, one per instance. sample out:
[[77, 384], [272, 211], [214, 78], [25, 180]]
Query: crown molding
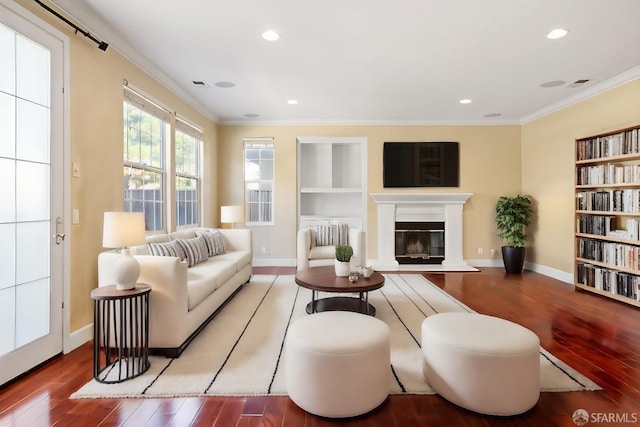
[[97, 26], [597, 89]]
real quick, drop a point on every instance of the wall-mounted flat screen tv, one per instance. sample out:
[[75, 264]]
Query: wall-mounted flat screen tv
[[420, 164]]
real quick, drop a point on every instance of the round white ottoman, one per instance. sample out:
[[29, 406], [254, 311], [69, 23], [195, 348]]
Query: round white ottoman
[[338, 363], [482, 363]]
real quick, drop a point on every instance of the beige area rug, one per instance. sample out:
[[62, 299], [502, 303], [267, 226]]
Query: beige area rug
[[240, 353]]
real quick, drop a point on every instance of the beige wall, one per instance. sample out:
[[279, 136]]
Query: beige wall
[[489, 167], [536, 159], [96, 143], [548, 166]]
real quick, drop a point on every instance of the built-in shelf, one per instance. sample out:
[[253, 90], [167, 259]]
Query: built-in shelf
[[607, 249], [332, 181]]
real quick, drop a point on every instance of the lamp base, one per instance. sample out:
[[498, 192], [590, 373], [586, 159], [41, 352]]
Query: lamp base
[[126, 271]]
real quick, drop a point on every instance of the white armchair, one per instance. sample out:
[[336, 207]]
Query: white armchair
[[309, 254]]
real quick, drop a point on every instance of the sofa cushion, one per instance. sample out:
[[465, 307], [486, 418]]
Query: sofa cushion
[[188, 233], [206, 277], [215, 241], [171, 248], [238, 258], [195, 250], [322, 252]]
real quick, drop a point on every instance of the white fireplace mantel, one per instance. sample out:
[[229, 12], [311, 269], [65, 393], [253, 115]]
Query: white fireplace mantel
[[420, 207]]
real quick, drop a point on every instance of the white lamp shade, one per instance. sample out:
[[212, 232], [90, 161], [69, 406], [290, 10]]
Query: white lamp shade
[[123, 229], [231, 214]]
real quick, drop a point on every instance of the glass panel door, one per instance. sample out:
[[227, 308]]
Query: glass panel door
[[30, 156]]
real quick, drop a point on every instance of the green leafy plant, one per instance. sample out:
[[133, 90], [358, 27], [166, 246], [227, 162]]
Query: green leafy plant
[[513, 214], [344, 253]]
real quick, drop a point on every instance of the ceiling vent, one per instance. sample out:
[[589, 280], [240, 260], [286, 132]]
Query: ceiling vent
[[200, 83], [578, 83]]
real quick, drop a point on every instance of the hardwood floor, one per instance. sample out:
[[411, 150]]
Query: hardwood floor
[[598, 337]]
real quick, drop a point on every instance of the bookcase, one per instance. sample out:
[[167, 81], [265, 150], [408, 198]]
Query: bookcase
[[607, 194], [332, 181]]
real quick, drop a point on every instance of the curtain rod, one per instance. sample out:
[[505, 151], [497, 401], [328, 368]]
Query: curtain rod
[[101, 44]]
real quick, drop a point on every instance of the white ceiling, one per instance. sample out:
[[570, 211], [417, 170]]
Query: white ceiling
[[373, 61]]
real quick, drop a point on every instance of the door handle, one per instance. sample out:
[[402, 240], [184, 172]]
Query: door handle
[[58, 236]]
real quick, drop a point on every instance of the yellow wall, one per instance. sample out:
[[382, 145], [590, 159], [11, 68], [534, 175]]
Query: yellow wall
[[536, 159], [489, 167], [96, 96], [548, 166]]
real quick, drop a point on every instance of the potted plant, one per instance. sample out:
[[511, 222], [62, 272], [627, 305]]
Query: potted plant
[[513, 214], [343, 258]]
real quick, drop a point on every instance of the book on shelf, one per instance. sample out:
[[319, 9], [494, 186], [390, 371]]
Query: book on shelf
[[618, 144], [627, 200], [609, 174], [604, 279]]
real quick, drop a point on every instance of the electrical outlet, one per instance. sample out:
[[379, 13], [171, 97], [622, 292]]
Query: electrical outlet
[[493, 252], [479, 251], [263, 250]]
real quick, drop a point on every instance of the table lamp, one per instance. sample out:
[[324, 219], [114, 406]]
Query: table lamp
[[231, 214], [123, 230]]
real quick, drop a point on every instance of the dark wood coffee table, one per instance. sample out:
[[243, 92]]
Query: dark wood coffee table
[[324, 279]]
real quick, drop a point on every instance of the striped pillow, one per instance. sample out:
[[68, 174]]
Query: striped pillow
[[195, 250], [214, 240], [171, 248], [331, 235]]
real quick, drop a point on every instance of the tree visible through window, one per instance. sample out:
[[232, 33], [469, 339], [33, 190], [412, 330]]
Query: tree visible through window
[[146, 127], [259, 178], [187, 153]]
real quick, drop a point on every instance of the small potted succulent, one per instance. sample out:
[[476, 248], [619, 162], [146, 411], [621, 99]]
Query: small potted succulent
[[343, 258]]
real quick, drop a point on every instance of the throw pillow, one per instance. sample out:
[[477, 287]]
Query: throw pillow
[[331, 235], [171, 248], [215, 242], [195, 250]]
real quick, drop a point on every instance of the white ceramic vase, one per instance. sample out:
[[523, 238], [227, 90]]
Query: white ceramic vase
[[343, 269], [126, 271]]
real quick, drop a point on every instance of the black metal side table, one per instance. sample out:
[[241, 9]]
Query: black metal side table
[[121, 331]]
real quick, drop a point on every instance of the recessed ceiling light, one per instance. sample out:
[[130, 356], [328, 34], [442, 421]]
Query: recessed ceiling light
[[225, 85], [553, 83], [252, 115], [557, 33], [292, 101], [465, 101], [270, 36], [493, 115]]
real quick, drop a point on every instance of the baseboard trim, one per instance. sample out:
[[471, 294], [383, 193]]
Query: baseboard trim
[[267, 262], [78, 338], [563, 276]]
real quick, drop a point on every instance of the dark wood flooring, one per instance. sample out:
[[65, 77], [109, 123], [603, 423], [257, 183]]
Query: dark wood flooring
[[597, 336]]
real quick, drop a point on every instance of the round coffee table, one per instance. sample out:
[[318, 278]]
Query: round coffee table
[[324, 279]]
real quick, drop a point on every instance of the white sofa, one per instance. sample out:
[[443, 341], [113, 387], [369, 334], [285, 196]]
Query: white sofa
[[184, 299], [310, 254]]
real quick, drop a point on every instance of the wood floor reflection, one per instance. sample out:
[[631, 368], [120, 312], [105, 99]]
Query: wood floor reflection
[[597, 336]]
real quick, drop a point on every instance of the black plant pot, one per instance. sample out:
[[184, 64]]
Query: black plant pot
[[513, 259]]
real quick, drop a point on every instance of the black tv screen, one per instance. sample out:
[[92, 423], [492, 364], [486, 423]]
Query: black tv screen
[[420, 164]]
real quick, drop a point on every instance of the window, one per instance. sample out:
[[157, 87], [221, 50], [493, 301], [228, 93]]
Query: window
[[146, 130], [187, 153], [258, 179]]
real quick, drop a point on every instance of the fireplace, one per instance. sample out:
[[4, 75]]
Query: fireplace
[[419, 242], [425, 208]]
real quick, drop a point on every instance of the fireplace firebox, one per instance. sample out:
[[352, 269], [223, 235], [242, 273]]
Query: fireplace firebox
[[419, 242]]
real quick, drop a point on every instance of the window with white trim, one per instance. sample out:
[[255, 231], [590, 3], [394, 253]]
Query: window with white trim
[[146, 133], [188, 142], [259, 180]]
